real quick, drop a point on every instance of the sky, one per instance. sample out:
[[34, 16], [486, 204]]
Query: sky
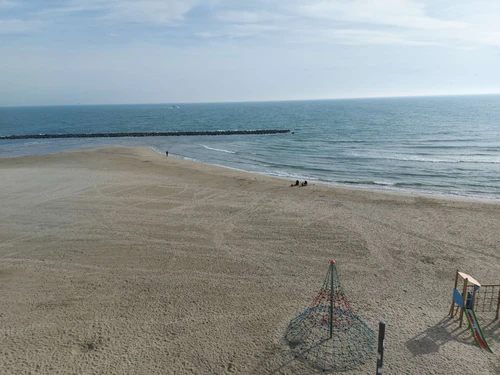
[[63, 52]]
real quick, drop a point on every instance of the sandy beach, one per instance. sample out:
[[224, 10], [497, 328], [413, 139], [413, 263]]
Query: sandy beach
[[123, 261]]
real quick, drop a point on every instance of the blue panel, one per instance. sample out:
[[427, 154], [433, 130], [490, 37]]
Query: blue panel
[[457, 298]]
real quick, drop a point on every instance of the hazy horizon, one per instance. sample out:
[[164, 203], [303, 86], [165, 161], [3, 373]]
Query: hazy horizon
[[251, 101], [92, 52]]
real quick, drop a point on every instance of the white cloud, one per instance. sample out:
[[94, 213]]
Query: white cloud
[[400, 13], [147, 12], [365, 37], [157, 12], [240, 31], [65, 10], [397, 22], [250, 17], [8, 4], [16, 26], [483, 18], [458, 23], [207, 35]]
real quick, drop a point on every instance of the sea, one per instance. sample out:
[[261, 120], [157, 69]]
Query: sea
[[447, 146]]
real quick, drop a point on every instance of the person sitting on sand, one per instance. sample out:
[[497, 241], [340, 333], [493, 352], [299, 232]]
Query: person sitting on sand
[[304, 183], [296, 183]]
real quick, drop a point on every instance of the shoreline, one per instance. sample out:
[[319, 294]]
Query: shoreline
[[485, 198], [121, 260], [334, 185], [388, 190]]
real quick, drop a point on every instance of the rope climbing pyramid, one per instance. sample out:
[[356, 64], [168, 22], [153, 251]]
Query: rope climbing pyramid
[[328, 334]]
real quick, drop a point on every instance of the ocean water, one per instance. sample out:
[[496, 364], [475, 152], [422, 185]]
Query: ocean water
[[429, 145]]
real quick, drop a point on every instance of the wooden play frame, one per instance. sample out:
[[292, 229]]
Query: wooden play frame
[[469, 281]]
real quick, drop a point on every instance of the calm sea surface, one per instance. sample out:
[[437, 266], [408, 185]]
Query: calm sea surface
[[434, 145]]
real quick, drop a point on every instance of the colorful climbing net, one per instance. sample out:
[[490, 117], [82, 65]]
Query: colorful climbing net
[[328, 334]]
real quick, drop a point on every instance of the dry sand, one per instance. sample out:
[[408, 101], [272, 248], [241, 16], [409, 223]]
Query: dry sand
[[122, 261]]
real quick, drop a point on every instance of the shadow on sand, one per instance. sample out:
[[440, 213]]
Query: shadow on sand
[[430, 340], [446, 330], [491, 329]]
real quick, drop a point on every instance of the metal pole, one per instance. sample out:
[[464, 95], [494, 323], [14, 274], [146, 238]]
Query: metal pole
[[380, 356], [331, 297]]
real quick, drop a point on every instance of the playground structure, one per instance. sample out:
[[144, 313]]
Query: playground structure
[[474, 297], [328, 334]]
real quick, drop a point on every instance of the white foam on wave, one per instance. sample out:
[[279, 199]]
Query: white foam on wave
[[218, 149], [473, 159], [155, 149]]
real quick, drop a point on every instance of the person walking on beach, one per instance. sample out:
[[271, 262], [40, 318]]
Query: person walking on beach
[[166, 153]]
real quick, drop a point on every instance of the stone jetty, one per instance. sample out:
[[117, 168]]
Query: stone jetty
[[144, 134]]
